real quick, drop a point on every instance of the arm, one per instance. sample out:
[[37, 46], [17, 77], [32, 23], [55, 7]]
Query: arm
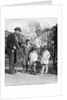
[[48, 56]]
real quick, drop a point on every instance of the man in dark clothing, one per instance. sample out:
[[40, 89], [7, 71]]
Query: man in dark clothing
[[12, 46]]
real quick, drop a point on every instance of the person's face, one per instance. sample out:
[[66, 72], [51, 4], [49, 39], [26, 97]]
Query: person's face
[[44, 49], [28, 43], [17, 31]]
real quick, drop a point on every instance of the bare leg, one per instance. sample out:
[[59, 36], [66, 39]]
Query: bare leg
[[43, 68], [46, 68]]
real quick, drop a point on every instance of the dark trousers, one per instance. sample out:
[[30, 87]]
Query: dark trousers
[[12, 60], [26, 61]]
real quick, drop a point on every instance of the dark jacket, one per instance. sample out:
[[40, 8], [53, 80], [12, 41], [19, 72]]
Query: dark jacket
[[10, 43]]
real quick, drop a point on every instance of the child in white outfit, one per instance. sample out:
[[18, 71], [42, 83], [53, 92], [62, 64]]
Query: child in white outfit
[[33, 57], [45, 60]]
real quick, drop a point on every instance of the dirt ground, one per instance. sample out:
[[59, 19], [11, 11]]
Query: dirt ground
[[29, 79], [26, 78]]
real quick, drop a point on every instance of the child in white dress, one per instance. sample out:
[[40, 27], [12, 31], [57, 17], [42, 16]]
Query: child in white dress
[[33, 57], [45, 60]]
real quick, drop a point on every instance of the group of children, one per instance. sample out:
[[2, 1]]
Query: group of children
[[33, 58]]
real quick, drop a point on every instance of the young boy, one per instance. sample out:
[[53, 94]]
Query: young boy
[[27, 49]]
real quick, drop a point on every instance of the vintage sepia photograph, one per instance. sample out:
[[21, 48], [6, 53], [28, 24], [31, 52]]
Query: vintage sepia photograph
[[31, 51]]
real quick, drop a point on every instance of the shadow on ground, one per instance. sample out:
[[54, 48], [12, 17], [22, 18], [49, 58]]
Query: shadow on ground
[[51, 71]]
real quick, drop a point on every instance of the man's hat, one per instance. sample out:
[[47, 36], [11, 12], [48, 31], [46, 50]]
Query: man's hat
[[17, 28]]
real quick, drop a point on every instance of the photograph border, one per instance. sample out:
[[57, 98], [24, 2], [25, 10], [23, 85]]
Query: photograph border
[[44, 90]]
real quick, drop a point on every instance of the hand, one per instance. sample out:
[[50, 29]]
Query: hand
[[14, 47], [12, 50], [28, 62]]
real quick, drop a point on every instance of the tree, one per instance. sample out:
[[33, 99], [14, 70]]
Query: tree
[[35, 28]]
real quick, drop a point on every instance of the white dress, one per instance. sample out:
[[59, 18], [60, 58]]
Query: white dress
[[45, 57], [33, 57]]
